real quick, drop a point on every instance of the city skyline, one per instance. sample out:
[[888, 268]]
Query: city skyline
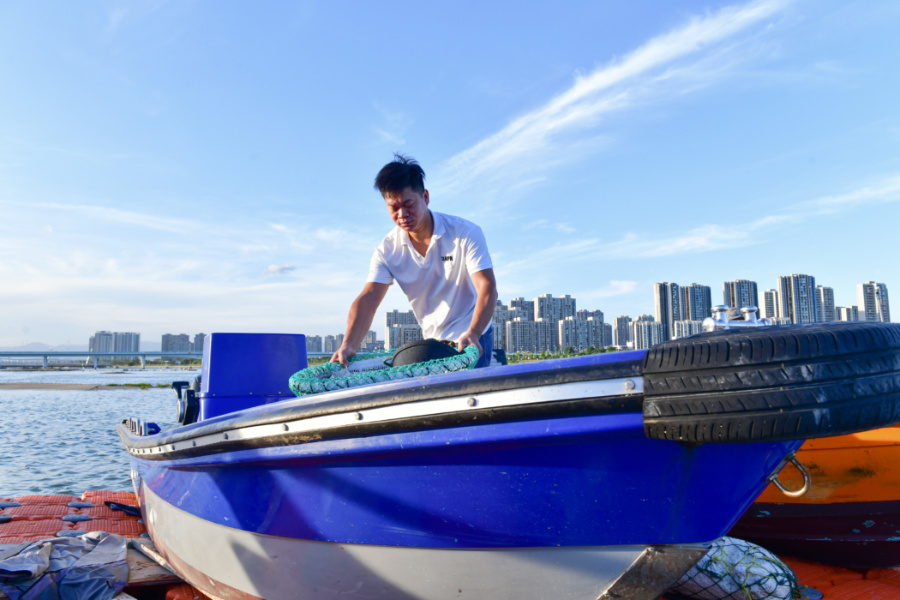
[[821, 302], [206, 167]]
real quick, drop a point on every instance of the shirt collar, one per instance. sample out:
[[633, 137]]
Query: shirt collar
[[439, 227]]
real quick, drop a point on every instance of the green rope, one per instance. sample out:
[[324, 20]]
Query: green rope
[[334, 376]]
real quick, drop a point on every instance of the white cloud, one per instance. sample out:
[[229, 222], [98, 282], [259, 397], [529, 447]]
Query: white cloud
[[394, 125], [709, 237], [532, 143], [885, 191], [170, 224], [545, 224], [279, 269]]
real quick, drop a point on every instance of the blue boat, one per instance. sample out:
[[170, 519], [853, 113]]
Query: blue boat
[[600, 476]]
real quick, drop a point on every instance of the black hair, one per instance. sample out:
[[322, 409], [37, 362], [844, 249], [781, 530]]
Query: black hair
[[399, 174]]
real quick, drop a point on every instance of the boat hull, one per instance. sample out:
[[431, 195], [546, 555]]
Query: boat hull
[[544, 508], [230, 563]]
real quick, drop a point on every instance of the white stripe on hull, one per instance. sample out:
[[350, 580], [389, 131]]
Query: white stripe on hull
[[274, 567], [623, 386]]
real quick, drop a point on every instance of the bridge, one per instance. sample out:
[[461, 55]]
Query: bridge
[[87, 356]]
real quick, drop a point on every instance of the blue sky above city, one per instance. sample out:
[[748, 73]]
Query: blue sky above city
[[170, 167]]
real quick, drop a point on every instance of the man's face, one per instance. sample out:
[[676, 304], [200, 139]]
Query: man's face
[[408, 209]]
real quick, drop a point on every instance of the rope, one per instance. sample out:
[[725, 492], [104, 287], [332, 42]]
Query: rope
[[369, 368]]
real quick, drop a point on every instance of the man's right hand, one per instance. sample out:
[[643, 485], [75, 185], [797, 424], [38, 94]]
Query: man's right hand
[[343, 355]]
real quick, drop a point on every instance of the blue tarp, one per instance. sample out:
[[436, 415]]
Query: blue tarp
[[89, 566]]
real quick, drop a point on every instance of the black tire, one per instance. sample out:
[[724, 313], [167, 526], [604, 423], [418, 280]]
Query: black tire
[[773, 383]]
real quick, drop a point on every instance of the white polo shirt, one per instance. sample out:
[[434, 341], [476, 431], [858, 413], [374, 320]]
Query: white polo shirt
[[438, 285]]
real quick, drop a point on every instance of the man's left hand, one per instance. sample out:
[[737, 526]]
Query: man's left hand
[[469, 339]]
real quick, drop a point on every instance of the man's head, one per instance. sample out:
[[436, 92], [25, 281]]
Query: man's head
[[401, 173], [402, 184]]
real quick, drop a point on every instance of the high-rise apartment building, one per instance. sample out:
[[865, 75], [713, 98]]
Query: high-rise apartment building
[[621, 331], [584, 315], [329, 345], [740, 293], [846, 313], [667, 300], [647, 333], [547, 307], [684, 329], [582, 334], [102, 341], [601, 334], [505, 314], [396, 318], [770, 304], [115, 341], [554, 310], [197, 345], [797, 298], [825, 304], [314, 343], [172, 342], [872, 299], [573, 333], [696, 303], [526, 307], [370, 343], [529, 336], [397, 335]]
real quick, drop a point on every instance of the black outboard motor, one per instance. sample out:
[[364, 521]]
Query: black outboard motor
[[188, 403]]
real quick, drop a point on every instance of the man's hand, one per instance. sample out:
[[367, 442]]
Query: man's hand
[[469, 339], [343, 355]]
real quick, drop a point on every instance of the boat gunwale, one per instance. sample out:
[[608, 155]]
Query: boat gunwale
[[586, 406], [393, 393]]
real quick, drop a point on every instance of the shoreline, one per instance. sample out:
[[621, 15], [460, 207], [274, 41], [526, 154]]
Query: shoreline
[[76, 386]]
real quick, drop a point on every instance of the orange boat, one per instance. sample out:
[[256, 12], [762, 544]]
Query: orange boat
[[850, 515]]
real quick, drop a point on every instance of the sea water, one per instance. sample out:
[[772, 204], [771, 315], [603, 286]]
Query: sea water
[[65, 441]]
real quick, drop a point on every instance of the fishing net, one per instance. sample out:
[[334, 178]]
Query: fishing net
[[370, 368], [737, 570]]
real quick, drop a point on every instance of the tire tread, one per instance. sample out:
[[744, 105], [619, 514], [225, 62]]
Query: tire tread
[[773, 383]]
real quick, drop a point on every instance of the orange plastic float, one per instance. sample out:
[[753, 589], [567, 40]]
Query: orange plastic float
[[40, 517], [861, 467], [851, 514], [838, 583]]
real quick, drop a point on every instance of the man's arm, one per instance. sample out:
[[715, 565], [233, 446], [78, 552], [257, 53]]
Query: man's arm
[[486, 288], [362, 312]]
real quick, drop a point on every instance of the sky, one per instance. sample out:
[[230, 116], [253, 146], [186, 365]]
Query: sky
[[201, 166]]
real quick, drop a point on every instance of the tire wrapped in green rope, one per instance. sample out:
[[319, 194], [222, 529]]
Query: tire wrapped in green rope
[[369, 368]]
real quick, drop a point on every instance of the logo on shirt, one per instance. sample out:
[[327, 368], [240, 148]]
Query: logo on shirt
[[446, 258]]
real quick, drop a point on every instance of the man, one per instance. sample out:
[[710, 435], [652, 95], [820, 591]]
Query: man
[[441, 263]]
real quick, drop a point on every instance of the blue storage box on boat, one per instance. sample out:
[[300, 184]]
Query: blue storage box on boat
[[241, 370]]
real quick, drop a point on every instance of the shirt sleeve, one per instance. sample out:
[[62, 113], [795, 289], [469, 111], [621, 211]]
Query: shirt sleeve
[[477, 256], [378, 269]]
